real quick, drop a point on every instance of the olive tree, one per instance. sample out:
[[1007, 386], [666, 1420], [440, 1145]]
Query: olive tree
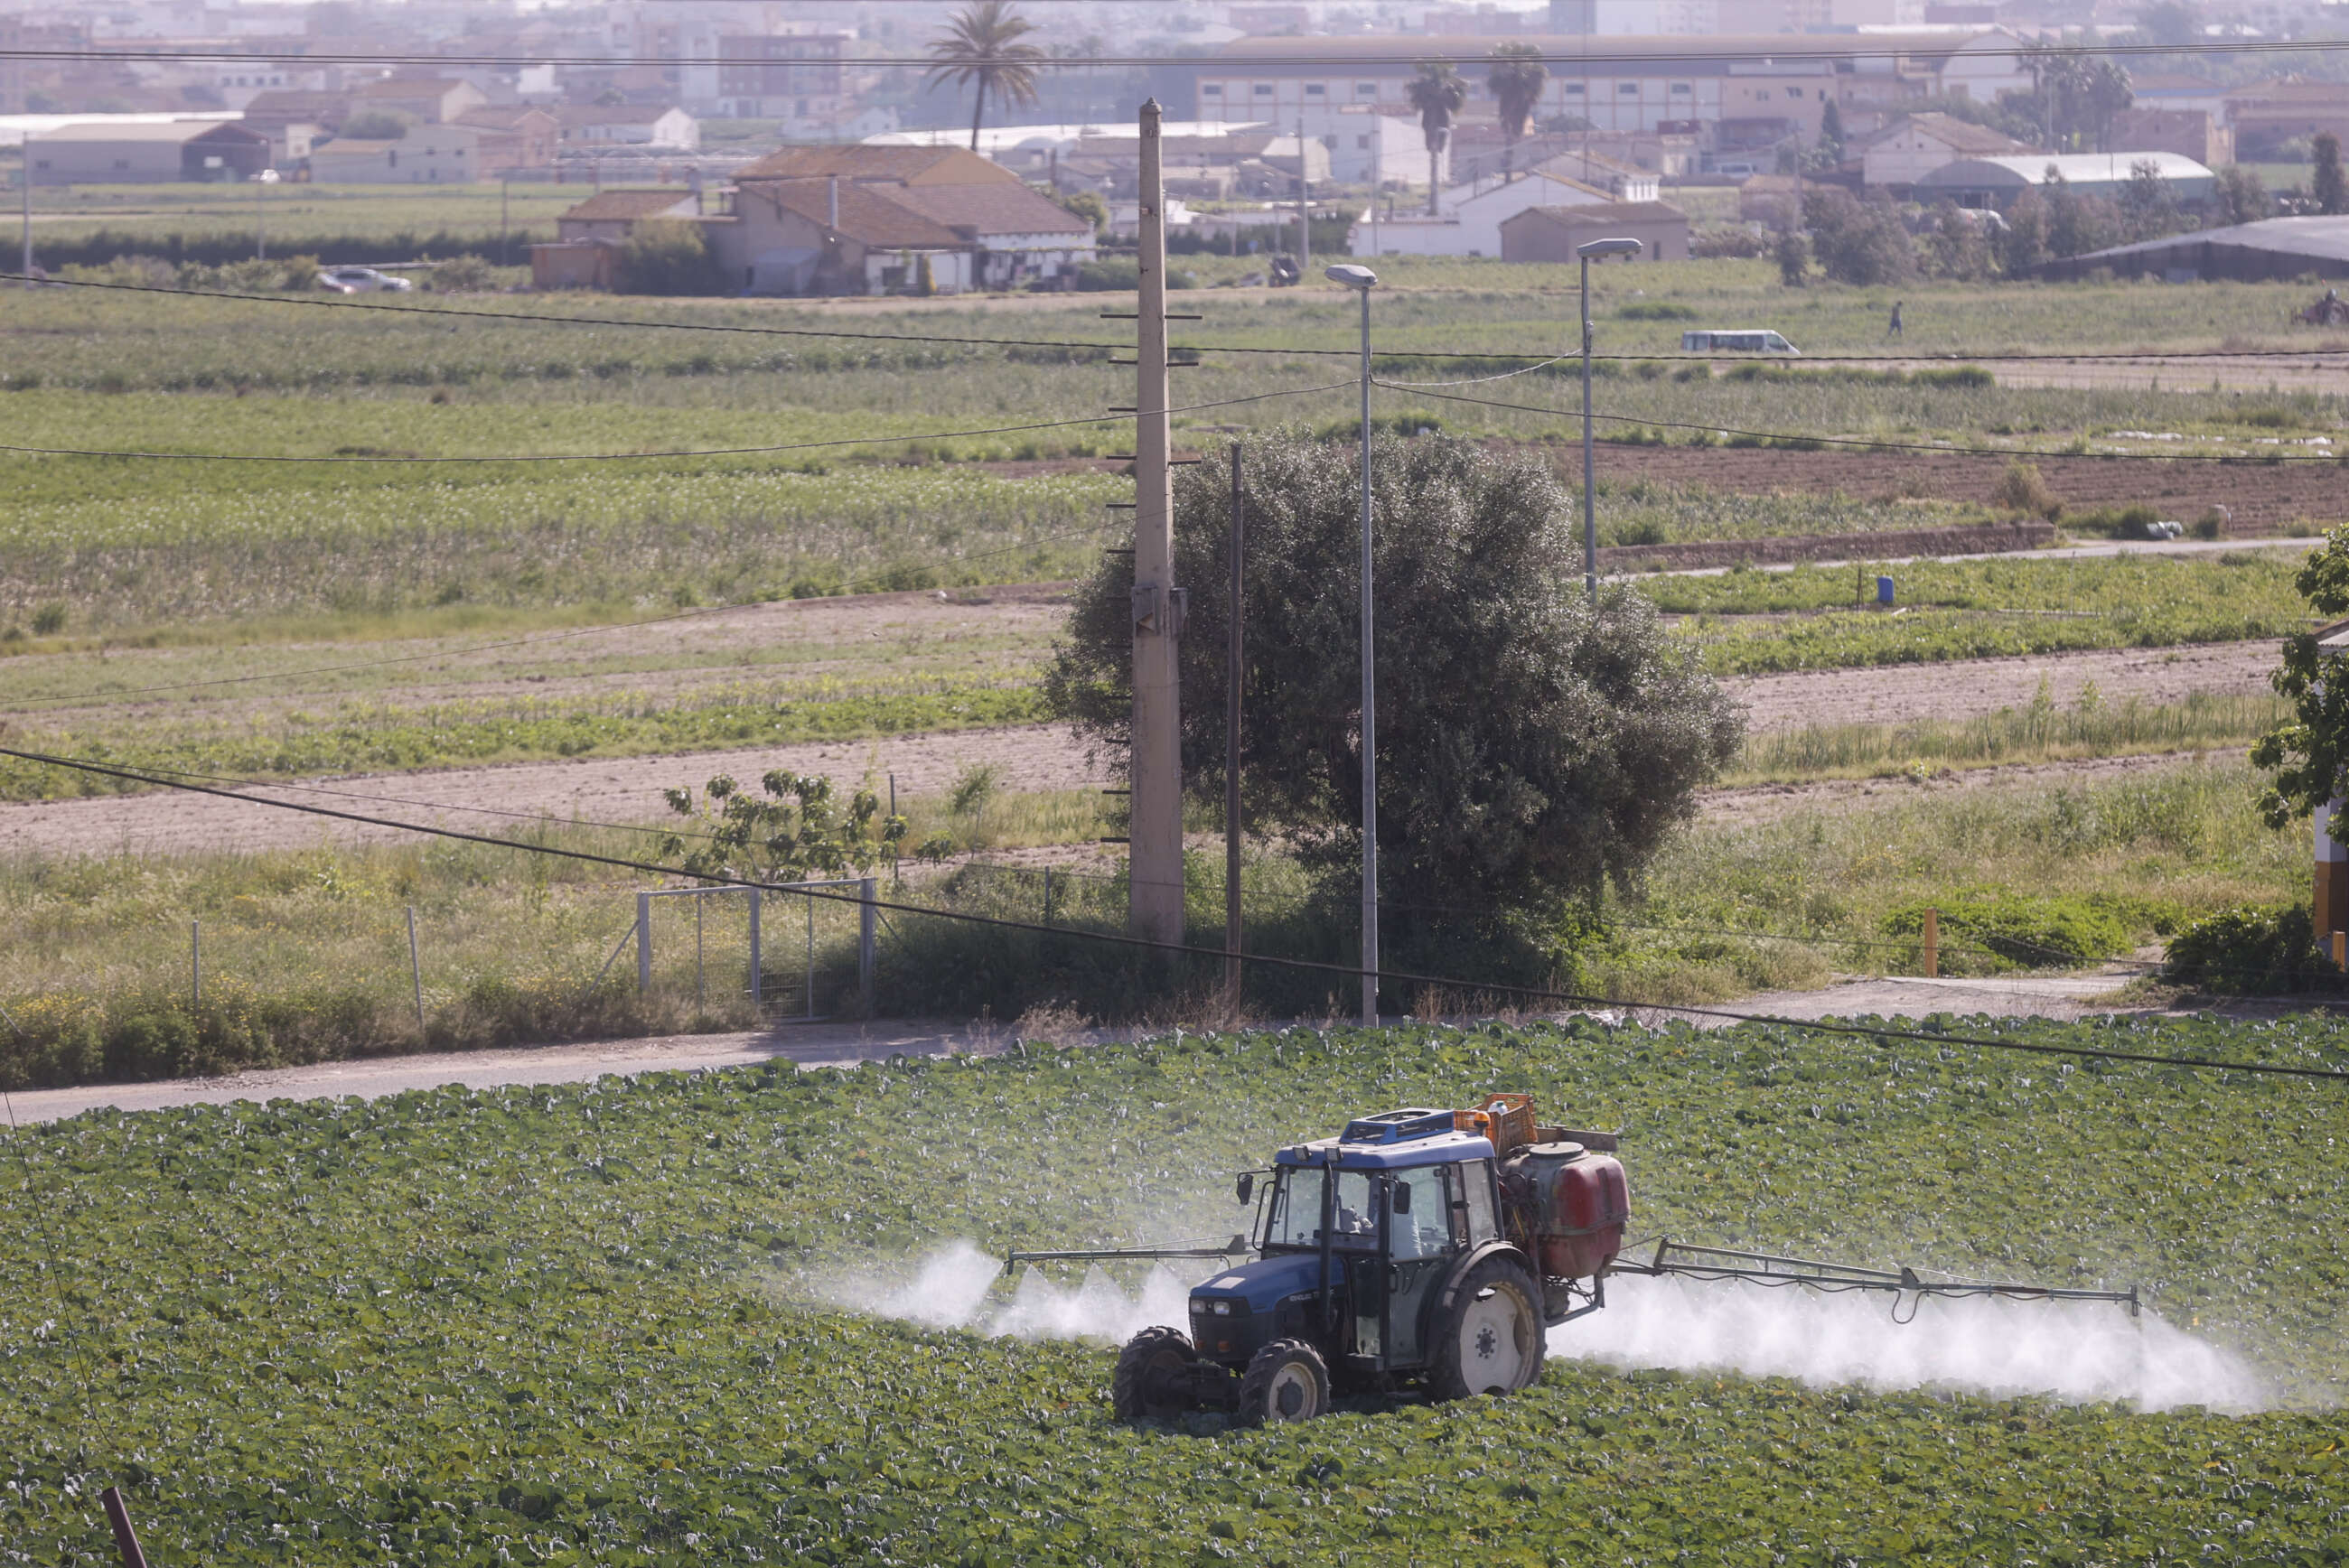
[[1532, 746]]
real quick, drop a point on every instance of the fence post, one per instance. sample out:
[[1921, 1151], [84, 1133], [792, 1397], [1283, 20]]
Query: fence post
[[810, 1009], [1932, 944], [864, 914], [415, 969], [697, 988], [755, 948], [126, 1538], [645, 941], [195, 964]]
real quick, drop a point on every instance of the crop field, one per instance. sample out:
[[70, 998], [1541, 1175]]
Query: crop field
[[596, 1324]]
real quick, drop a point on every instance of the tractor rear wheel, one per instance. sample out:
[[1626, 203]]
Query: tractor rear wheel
[[1153, 1382], [1286, 1381], [1490, 1340]]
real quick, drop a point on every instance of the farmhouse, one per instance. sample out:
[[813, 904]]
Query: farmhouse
[[1550, 233], [1469, 220], [429, 100], [836, 235], [627, 125]]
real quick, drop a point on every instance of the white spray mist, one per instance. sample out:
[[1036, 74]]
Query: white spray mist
[[2074, 1351]]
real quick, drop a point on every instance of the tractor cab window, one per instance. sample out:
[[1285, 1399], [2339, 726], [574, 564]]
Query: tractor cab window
[[1295, 1216], [1418, 1228]]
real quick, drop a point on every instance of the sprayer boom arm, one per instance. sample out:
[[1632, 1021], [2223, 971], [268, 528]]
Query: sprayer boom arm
[[1234, 1248], [1767, 1268]]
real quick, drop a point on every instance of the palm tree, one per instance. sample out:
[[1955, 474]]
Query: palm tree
[[1437, 93], [1517, 76], [982, 46]]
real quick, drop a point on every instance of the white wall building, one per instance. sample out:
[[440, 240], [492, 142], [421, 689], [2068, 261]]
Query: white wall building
[[1469, 218]]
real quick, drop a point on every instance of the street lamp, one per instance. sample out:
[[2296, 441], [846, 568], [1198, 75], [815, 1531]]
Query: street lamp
[[1362, 280], [261, 181], [1616, 247]]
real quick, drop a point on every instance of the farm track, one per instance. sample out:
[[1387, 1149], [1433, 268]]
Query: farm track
[[843, 1045], [1047, 757]]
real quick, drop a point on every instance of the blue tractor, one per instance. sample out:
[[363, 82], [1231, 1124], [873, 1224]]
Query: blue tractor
[[1409, 1249], [1429, 1250]]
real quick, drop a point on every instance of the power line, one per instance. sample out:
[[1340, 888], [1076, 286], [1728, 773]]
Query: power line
[[1898, 1037], [1587, 59], [961, 341], [1798, 438]]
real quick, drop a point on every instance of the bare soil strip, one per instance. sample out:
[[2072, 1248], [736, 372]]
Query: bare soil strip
[[1049, 756]]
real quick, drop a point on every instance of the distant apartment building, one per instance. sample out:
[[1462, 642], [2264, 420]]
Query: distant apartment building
[[795, 78], [1624, 85], [2265, 119]]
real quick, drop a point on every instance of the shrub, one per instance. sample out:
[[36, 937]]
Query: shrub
[[668, 256], [2021, 489], [462, 275], [1657, 310], [1733, 242], [2251, 951]]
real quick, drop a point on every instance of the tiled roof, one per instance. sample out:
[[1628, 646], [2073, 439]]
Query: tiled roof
[[867, 214], [610, 113], [1960, 136], [982, 210], [911, 165], [629, 205]]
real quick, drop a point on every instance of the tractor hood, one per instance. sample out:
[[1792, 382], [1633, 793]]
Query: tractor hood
[[1265, 1282]]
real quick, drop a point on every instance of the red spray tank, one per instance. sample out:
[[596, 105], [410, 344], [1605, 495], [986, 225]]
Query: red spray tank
[[1572, 1203]]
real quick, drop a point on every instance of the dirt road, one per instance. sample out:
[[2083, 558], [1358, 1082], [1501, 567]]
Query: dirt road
[[1044, 756], [2055, 997]]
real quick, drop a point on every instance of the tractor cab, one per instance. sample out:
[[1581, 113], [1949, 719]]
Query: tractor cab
[[1381, 1211]]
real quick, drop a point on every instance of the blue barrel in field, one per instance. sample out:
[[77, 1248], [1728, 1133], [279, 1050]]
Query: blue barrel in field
[[1884, 591]]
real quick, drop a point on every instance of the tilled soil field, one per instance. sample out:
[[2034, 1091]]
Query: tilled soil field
[[2260, 498]]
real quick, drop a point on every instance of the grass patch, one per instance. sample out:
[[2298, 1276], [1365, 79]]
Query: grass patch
[[2039, 732]]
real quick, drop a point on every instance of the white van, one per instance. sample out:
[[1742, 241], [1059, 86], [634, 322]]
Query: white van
[[1744, 340]]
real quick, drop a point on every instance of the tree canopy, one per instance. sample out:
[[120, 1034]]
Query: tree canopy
[[982, 47], [1531, 747], [2309, 756], [1517, 76]]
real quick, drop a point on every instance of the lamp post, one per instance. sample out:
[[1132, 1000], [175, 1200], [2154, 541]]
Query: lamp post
[[261, 184], [1362, 280], [1618, 247]]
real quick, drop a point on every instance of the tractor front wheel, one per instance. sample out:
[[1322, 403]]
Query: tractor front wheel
[[1490, 1340], [1286, 1381], [1153, 1382]]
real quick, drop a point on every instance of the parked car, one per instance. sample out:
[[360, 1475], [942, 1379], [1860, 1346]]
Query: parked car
[[361, 280], [1744, 340]]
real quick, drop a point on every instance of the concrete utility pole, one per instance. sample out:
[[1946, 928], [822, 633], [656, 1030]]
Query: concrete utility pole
[[1304, 205], [1600, 249], [1233, 667], [1362, 280], [27, 144], [1154, 906]]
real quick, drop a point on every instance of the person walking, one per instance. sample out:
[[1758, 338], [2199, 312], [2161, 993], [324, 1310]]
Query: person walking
[[1894, 330]]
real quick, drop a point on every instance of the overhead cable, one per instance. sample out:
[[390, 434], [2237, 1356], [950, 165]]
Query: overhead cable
[[1890, 1036], [1585, 60]]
